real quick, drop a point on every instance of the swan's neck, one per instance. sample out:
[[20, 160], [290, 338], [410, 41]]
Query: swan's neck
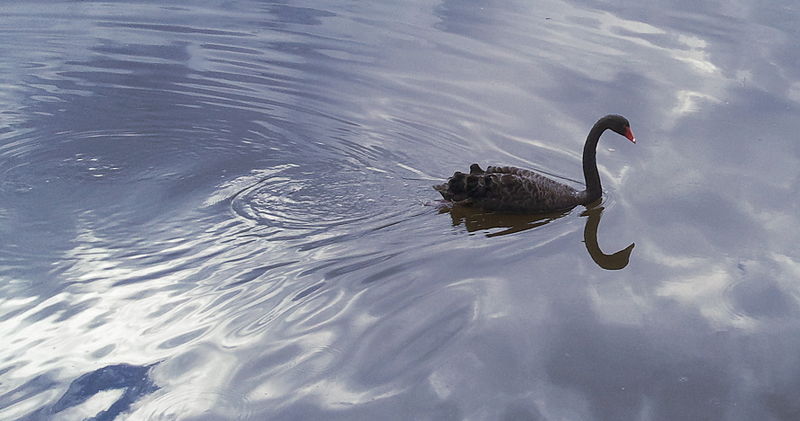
[[593, 188]]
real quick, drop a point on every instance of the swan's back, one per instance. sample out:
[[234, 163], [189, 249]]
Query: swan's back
[[508, 189]]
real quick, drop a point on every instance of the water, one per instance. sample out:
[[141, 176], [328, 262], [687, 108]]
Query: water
[[222, 210]]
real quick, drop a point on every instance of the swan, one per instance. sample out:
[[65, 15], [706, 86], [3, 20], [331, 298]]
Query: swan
[[511, 189]]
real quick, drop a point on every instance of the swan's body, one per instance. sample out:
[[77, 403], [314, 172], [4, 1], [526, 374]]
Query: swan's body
[[508, 189], [514, 189]]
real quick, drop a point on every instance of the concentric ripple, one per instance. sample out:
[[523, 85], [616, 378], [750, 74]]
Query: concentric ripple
[[198, 402], [305, 200]]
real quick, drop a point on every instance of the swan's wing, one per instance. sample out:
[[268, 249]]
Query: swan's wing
[[529, 177], [523, 190], [513, 171]]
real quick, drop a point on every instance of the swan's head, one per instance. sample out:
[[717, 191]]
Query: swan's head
[[620, 125]]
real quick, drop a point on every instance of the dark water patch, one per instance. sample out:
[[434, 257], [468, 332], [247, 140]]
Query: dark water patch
[[256, 273], [172, 28], [298, 15], [344, 266], [182, 339], [133, 379], [33, 387], [308, 291]]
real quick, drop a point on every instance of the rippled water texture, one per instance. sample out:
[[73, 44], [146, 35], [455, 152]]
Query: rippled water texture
[[223, 211]]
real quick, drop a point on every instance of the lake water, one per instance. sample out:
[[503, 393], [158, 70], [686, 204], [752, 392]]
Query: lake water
[[223, 211]]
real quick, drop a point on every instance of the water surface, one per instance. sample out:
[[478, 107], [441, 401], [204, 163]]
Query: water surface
[[222, 210]]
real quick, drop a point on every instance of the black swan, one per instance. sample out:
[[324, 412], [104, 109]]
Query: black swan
[[512, 189]]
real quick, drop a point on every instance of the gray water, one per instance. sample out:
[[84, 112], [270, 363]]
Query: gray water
[[223, 211]]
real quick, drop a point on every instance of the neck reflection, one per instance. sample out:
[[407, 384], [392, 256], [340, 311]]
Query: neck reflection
[[614, 261]]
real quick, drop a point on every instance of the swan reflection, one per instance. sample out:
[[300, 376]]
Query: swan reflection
[[613, 261], [476, 219], [505, 223]]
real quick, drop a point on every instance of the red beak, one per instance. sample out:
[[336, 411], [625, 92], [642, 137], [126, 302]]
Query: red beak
[[629, 134]]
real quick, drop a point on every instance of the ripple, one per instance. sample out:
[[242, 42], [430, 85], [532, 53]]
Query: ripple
[[78, 157], [300, 201], [756, 296], [318, 361], [187, 403], [305, 202]]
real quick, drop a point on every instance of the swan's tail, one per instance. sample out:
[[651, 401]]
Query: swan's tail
[[442, 188], [464, 186]]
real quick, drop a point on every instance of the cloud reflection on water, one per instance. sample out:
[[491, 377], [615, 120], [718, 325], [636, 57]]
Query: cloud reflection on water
[[401, 315]]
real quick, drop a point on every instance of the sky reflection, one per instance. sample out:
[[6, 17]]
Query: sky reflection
[[230, 204]]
